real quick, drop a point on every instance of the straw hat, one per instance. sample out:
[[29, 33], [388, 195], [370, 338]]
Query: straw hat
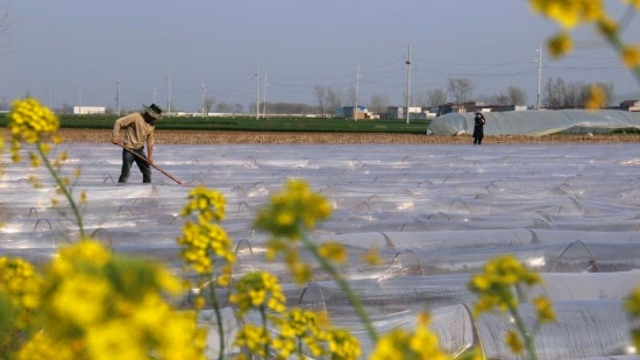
[[154, 111]]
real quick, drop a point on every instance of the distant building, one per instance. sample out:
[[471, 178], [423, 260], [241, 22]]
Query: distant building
[[503, 108], [346, 112], [415, 112], [630, 105], [89, 110]]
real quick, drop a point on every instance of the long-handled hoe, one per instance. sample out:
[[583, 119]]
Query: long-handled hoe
[[153, 165]]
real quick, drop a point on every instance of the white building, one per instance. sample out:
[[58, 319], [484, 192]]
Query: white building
[[88, 110]]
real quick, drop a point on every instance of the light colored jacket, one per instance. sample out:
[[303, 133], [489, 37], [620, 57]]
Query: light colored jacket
[[137, 131]]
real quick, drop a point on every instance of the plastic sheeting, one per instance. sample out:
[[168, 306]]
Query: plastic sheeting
[[436, 214], [537, 123]]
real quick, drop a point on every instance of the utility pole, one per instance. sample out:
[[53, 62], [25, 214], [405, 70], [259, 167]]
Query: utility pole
[[408, 63], [355, 98], [118, 96], [539, 74], [257, 92], [169, 95], [204, 110], [264, 97], [79, 94]]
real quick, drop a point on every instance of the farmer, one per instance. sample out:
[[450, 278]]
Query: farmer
[[138, 128], [478, 129]]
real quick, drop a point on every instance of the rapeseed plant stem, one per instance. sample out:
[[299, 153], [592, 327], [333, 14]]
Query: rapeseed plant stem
[[216, 310], [63, 189], [344, 285]]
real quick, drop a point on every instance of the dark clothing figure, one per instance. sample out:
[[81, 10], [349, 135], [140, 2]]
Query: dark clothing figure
[[478, 129]]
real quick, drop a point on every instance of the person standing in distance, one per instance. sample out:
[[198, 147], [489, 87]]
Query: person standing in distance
[[478, 129], [135, 130]]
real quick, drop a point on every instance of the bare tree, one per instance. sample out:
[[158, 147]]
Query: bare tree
[[461, 89], [501, 99], [421, 99], [238, 108], [379, 103], [208, 105], [4, 104], [516, 95], [334, 99], [607, 88], [4, 28], [321, 97], [559, 94], [224, 107], [436, 97], [554, 93]]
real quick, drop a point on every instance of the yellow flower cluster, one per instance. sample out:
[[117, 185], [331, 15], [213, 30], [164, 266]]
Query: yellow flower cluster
[[632, 304], [98, 306], [298, 332], [21, 283], [30, 122], [569, 13], [254, 339], [596, 99], [402, 344], [572, 13], [299, 325], [495, 287], [495, 284], [205, 241], [258, 290], [202, 243], [293, 211], [208, 204], [342, 345]]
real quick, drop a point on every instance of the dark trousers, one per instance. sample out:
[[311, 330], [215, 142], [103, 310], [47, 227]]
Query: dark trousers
[[127, 160], [478, 134]]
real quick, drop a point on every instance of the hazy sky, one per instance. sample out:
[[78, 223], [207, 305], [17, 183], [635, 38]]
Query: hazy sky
[[77, 52]]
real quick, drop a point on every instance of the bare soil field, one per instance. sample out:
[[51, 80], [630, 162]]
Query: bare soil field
[[234, 137]]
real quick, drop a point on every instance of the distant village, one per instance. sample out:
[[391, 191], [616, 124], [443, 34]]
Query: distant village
[[363, 113]]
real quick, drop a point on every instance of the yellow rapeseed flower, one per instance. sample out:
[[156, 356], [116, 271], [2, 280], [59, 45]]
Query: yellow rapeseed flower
[[42, 347], [30, 122], [569, 13], [333, 251], [544, 309], [205, 241], [343, 345], [607, 27], [495, 284], [631, 56], [258, 290], [634, 3], [293, 211], [23, 285], [207, 203], [371, 257], [514, 342], [103, 306], [632, 303], [597, 98], [402, 344], [560, 45]]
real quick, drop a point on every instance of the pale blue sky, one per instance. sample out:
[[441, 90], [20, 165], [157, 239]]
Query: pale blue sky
[[72, 51]]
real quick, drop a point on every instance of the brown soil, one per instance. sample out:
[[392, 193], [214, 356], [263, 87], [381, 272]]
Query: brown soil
[[234, 137]]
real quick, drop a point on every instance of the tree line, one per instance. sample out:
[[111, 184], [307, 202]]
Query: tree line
[[556, 94]]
